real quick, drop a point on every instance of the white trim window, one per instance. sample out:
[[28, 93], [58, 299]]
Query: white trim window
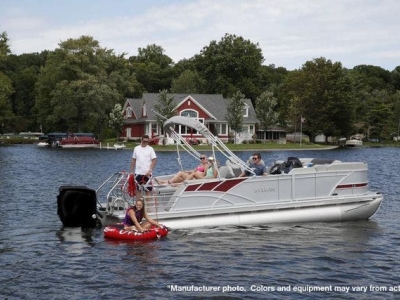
[[248, 129], [246, 110], [154, 129], [221, 128], [251, 129], [190, 113], [128, 113], [128, 132]]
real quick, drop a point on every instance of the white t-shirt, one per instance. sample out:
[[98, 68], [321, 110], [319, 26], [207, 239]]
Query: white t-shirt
[[143, 156]]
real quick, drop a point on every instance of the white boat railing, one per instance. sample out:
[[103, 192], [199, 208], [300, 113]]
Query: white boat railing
[[214, 141], [119, 199]]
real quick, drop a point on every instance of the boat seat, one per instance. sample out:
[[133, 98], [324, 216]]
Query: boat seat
[[226, 172], [302, 170], [167, 189], [323, 161], [231, 162], [347, 166], [320, 168], [237, 170]]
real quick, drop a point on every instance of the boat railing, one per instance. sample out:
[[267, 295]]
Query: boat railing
[[160, 199], [117, 197]]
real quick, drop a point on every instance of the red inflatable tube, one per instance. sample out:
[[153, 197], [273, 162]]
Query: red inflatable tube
[[117, 231]]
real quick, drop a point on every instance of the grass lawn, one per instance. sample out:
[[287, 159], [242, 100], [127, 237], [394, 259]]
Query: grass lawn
[[269, 146], [243, 147]]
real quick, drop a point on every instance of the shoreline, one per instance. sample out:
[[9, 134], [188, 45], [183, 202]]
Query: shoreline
[[234, 148], [157, 149]]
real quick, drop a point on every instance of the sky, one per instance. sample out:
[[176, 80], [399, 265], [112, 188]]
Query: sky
[[288, 32]]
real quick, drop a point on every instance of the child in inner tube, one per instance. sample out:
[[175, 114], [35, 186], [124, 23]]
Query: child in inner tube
[[134, 216]]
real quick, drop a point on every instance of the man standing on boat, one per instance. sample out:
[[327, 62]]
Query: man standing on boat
[[143, 162]]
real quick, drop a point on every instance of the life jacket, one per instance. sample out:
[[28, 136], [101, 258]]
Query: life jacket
[[138, 214]]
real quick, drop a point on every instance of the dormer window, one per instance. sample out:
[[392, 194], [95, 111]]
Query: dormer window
[[129, 112], [246, 111]]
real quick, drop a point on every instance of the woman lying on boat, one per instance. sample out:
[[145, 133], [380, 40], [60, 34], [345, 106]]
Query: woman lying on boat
[[198, 173], [134, 216], [211, 171]]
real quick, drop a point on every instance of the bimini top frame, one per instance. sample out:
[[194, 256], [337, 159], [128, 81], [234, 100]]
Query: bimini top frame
[[214, 141]]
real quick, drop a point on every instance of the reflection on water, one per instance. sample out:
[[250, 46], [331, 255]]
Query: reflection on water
[[39, 257], [76, 235]]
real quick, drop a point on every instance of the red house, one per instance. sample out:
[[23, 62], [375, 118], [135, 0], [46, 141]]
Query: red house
[[210, 109]]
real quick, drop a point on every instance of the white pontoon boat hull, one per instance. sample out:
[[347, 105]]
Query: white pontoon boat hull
[[295, 191], [327, 213], [332, 192]]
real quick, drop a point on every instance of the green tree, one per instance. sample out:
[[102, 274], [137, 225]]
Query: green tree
[[235, 109], [153, 68], [81, 105], [23, 70], [265, 109], [372, 77], [80, 84], [165, 107], [188, 82], [6, 89], [396, 114], [380, 115], [365, 80], [229, 65], [4, 46], [5, 106], [324, 91], [272, 76], [116, 121], [395, 82], [294, 114], [184, 65]]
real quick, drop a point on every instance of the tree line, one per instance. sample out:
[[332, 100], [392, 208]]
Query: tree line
[[79, 85]]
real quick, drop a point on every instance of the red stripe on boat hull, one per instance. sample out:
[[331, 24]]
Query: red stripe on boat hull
[[352, 185], [217, 186]]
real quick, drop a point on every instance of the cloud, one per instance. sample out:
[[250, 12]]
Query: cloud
[[289, 32]]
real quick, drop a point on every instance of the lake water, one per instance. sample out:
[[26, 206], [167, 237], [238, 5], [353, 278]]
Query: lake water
[[40, 260]]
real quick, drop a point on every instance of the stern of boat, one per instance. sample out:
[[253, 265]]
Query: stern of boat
[[77, 206]]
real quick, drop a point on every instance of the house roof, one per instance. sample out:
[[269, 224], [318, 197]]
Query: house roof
[[213, 104]]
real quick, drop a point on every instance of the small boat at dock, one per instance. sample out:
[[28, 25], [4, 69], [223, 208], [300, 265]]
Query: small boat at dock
[[354, 143], [68, 140]]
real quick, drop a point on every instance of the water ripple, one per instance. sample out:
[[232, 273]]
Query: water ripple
[[39, 258]]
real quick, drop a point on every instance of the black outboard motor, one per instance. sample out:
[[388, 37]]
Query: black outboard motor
[[287, 166], [291, 162], [76, 206]]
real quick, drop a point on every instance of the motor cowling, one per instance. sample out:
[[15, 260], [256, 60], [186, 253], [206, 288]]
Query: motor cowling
[[76, 206]]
